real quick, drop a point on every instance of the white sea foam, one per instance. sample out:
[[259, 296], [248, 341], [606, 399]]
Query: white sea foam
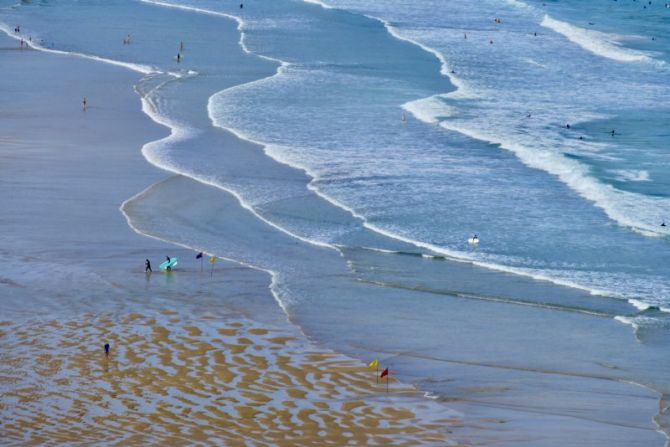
[[631, 175], [597, 42], [639, 305], [429, 110], [638, 212]]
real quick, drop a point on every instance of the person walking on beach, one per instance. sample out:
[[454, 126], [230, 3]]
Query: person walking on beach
[[84, 104], [147, 266], [169, 268], [106, 349]]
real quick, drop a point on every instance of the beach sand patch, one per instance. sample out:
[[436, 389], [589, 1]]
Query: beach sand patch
[[205, 381]]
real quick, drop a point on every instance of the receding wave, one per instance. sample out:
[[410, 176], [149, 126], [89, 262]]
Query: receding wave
[[597, 42]]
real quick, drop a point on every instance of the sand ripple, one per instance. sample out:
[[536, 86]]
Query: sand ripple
[[179, 382]]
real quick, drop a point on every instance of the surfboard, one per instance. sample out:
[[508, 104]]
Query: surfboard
[[473, 241], [171, 263]]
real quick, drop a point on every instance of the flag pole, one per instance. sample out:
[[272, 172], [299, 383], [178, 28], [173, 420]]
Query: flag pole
[[377, 374], [387, 381]]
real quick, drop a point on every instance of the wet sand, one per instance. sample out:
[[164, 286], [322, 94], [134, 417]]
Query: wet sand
[[175, 380]]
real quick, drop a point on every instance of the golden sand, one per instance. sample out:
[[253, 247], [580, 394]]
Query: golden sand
[[201, 382]]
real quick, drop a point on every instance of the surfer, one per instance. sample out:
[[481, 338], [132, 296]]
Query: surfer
[[84, 103], [241, 5], [178, 57], [613, 132], [663, 224], [403, 119], [106, 349], [169, 268], [147, 266], [567, 126]]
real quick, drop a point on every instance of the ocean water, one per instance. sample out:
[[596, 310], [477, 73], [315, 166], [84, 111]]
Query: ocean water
[[364, 142]]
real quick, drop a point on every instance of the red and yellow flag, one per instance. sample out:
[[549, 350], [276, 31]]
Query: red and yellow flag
[[384, 373]]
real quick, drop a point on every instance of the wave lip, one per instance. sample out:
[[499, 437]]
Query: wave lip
[[597, 42]]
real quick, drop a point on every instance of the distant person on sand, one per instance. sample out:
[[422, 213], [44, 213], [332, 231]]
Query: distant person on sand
[[84, 103], [147, 266], [106, 349]]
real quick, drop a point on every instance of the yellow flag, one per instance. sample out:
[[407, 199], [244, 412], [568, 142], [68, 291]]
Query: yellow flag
[[373, 364], [212, 260]]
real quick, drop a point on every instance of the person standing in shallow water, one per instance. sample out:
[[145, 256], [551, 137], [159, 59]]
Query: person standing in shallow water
[[147, 266], [84, 103]]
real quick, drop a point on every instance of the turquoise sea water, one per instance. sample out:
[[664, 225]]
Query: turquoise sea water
[[387, 134]]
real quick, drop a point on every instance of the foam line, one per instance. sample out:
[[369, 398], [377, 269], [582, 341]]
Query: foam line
[[179, 132], [596, 42], [144, 69], [274, 276], [240, 24]]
